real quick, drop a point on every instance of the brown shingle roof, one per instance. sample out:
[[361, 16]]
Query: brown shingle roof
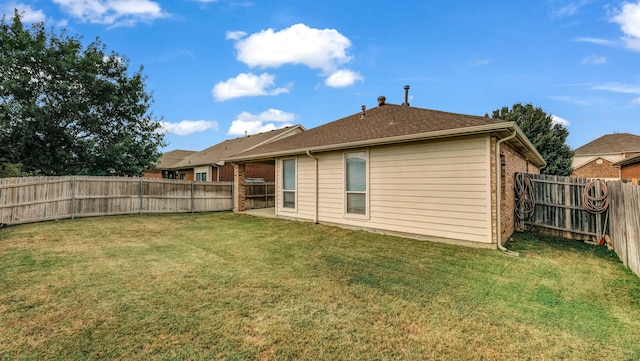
[[627, 161], [611, 143], [385, 121], [229, 147], [170, 158]]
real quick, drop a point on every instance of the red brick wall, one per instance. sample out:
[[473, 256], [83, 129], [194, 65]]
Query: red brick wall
[[630, 171], [252, 170], [514, 162], [152, 174], [595, 170]]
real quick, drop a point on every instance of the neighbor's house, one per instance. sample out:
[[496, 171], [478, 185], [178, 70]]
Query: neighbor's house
[[600, 158], [209, 164], [167, 160], [629, 169], [402, 170]]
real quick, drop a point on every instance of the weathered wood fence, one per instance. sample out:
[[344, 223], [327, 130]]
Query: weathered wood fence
[[32, 199], [260, 195], [582, 209], [624, 223]]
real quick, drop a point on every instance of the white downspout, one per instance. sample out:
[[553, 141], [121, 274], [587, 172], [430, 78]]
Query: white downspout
[[499, 196], [315, 186]]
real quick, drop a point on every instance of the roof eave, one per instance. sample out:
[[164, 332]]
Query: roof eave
[[507, 127]]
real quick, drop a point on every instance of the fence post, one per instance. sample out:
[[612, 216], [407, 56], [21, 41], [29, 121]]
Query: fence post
[[193, 199], [73, 197], [141, 190]]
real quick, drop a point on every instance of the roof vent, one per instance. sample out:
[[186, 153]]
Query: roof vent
[[381, 100], [364, 107], [406, 95]]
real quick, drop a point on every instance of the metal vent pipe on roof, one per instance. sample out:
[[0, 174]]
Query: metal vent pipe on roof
[[363, 112], [406, 95], [381, 100]]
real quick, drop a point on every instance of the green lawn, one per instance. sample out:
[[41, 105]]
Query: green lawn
[[236, 287]]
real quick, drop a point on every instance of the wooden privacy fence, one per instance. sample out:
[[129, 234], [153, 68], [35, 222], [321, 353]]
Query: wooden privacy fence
[[260, 195], [624, 223], [582, 209], [32, 199]]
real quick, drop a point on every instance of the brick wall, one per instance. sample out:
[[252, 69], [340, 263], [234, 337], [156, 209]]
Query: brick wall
[[630, 171], [239, 196], [512, 162], [252, 170], [595, 170]]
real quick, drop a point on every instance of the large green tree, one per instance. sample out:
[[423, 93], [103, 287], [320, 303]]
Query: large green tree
[[546, 135], [66, 109]]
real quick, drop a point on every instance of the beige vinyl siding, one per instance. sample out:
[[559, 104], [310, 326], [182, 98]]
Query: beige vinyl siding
[[440, 189], [306, 187]]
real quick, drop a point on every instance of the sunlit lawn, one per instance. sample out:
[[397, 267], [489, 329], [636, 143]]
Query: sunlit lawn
[[236, 287]]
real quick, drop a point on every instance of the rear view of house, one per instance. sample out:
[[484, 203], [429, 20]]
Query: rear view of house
[[402, 170]]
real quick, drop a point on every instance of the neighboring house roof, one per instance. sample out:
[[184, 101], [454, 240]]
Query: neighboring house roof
[[217, 153], [168, 159], [609, 144], [389, 124], [627, 161]]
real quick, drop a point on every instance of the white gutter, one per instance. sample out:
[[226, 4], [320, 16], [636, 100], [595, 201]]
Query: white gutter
[[499, 196], [315, 217]]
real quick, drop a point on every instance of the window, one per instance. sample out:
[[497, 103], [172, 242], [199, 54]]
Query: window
[[289, 183], [201, 176], [356, 182]]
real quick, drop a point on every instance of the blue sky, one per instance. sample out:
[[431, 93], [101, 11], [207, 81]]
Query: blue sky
[[220, 68]]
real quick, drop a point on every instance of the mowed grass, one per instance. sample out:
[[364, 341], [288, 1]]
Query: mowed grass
[[235, 287]]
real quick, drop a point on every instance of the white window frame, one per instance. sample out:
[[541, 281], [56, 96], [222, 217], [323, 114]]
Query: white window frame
[[295, 180], [346, 192]]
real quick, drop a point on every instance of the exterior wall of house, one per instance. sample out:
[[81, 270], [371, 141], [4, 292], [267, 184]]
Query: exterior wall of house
[[512, 162], [434, 189], [203, 170], [598, 168], [630, 172], [152, 174]]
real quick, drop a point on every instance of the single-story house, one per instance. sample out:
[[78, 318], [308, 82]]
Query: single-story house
[[401, 170], [209, 164], [167, 160], [597, 158]]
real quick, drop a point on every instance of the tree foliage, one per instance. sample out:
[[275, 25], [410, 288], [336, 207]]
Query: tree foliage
[[66, 109], [548, 137]]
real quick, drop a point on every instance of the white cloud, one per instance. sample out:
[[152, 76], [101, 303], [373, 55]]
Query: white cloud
[[343, 78], [235, 35], [594, 59], [299, 44], [247, 123], [187, 127], [618, 88], [557, 120], [628, 17], [246, 84], [321, 49], [568, 9], [112, 12], [597, 41], [635, 101], [27, 13]]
